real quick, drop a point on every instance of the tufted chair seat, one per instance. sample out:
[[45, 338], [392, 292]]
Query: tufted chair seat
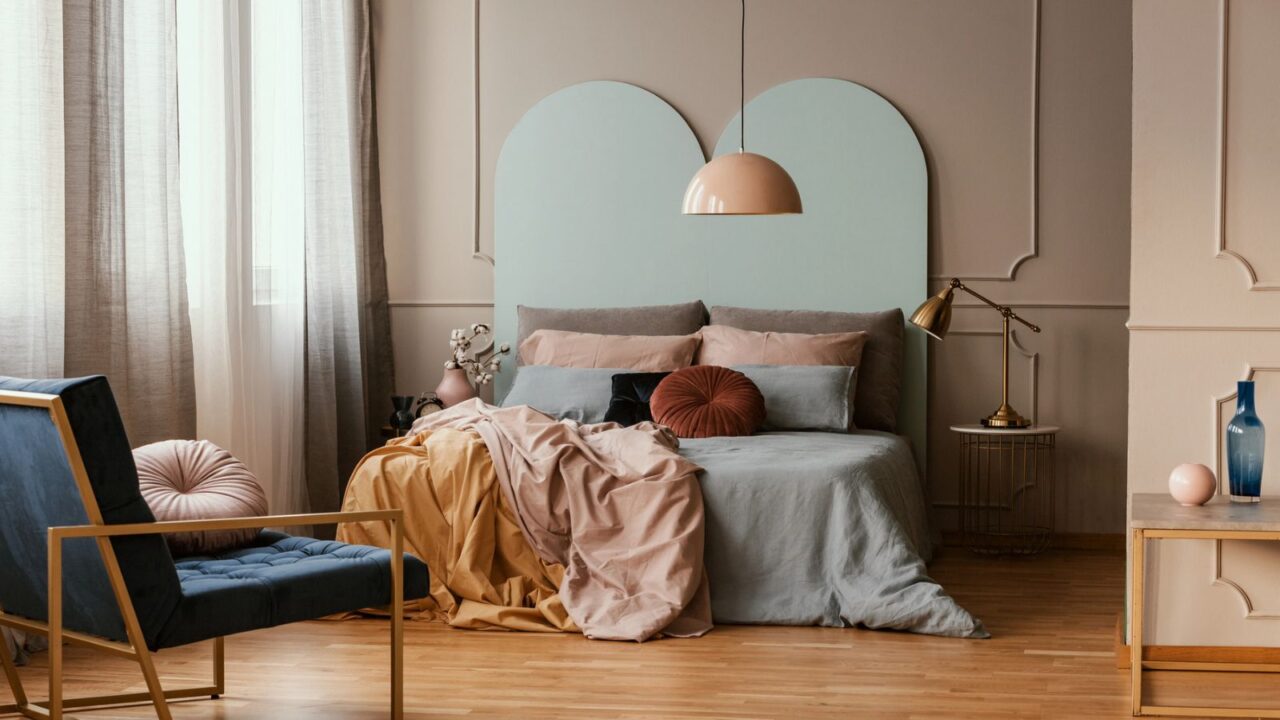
[[281, 579]]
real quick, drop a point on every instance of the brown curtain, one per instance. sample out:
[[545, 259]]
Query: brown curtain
[[348, 335], [101, 286]]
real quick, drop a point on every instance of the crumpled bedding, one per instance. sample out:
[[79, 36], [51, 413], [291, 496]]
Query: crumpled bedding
[[529, 523]]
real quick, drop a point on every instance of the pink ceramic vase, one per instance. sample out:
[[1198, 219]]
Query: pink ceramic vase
[[1192, 485], [454, 387]]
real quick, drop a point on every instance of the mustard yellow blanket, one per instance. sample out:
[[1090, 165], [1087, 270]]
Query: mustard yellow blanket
[[483, 572]]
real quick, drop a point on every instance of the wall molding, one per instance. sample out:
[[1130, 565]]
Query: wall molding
[[1216, 571], [1221, 250], [440, 303], [1136, 327], [1034, 250], [476, 252], [1050, 305]]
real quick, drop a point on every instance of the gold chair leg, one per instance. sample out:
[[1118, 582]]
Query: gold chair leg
[[15, 682], [397, 620], [55, 629], [219, 668], [153, 681]]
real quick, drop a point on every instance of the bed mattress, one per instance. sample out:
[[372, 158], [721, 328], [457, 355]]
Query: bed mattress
[[814, 528]]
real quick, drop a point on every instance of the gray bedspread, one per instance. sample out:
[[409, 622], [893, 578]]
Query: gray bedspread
[[815, 528]]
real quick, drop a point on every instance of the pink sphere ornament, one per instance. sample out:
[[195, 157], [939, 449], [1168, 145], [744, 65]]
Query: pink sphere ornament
[[1192, 485]]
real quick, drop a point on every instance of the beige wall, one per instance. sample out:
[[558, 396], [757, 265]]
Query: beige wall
[[1206, 311], [1049, 230]]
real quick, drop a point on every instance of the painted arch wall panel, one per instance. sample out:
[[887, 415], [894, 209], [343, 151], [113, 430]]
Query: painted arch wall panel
[[588, 214]]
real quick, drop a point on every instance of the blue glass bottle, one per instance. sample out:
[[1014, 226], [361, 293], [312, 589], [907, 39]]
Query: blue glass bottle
[[1246, 439]]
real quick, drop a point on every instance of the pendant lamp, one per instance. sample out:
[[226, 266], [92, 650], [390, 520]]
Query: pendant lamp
[[742, 183]]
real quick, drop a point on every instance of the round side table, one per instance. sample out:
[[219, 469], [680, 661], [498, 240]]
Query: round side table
[[1006, 488]]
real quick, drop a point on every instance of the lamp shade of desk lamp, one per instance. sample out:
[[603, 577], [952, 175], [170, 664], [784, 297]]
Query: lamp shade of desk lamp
[[742, 183], [934, 317]]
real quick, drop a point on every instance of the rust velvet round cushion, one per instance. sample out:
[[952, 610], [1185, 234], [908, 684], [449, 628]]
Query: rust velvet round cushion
[[197, 480], [708, 401]]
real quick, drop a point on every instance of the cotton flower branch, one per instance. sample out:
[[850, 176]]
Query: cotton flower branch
[[474, 351]]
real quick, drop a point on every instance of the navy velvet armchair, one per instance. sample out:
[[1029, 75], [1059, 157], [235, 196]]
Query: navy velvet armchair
[[83, 561]]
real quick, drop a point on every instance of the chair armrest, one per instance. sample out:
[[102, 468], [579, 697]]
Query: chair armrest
[[165, 528]]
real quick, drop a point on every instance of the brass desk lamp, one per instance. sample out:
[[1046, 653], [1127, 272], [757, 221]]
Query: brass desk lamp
[[934, 317]]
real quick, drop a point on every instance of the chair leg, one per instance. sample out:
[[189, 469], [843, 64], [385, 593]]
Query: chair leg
[[153, 682], [219, 668], [11, 674], [55, 630], [397, 621]]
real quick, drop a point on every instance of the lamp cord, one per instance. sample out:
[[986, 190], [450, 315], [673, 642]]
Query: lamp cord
[[742, 80]]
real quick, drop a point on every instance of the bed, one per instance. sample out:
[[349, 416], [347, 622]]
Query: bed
[[801, 528]]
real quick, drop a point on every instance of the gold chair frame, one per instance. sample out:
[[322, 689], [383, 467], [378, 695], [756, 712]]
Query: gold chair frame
[[136, 647]]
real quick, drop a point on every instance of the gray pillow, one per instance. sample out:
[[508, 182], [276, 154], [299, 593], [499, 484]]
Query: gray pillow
[[879, 374], [805, 397], [580, 394], [681, 319]]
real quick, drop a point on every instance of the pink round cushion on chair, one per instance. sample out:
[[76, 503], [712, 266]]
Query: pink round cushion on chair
[[197, 480], [708, 401]]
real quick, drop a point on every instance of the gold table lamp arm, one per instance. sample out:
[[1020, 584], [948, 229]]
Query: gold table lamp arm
[[1004, 310]]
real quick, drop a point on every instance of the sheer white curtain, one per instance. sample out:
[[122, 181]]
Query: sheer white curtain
[[241, 114], [31, 189]]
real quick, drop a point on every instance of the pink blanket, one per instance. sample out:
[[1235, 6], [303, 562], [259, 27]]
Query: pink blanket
[[618, 507]]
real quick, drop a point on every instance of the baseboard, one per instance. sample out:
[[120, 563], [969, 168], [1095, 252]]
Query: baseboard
[[1060, 541], [1193, 653]]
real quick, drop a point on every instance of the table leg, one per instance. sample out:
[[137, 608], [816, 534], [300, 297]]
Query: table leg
[[1136, 600]]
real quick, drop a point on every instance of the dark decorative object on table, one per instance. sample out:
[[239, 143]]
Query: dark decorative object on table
[[629, 403], [403, 417], [428, 403], [1246, 441]]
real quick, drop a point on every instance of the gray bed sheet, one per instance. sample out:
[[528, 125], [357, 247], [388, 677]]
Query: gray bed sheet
[[817, 528]]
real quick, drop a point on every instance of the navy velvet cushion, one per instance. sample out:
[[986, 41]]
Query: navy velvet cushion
[[282, 579], [630, 401], [40, 492]]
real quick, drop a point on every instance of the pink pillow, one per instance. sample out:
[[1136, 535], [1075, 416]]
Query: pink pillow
[[197, 480], [642, 353], [728, 346]]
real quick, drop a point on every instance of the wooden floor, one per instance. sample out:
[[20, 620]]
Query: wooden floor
[[1051, 656]]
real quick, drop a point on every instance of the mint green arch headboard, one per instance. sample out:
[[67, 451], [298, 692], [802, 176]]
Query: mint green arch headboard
[[587, 212]]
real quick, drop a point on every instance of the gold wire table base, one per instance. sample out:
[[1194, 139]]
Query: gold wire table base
[[1006, 485]]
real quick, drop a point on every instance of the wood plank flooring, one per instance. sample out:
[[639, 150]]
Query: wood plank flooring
[[1052, 618]]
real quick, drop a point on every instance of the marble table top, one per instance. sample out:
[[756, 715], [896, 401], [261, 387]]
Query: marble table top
[[1158, 511]]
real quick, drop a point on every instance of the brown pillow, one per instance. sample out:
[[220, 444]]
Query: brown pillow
[[641, 353], [708, 401], [723, 345], [879, 375]]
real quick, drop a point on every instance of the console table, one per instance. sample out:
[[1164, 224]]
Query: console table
[[1155, 516]]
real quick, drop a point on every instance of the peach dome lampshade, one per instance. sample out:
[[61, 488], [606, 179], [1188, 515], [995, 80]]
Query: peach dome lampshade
[[742, 183]]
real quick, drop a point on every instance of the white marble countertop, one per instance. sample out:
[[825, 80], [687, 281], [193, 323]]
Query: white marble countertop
[[1158, 511]]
